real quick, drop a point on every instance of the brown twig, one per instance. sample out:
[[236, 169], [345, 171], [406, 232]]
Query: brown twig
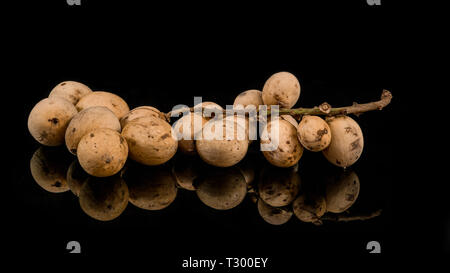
[[325, 109], [348, 217]]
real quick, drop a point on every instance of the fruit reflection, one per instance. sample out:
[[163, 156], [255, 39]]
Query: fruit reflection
[[76, 177], [273, 215], [185, 171], [151, 187], [222, 188], [104, 198], [309, 208], [278, 187], [342, 191], [49, 167]]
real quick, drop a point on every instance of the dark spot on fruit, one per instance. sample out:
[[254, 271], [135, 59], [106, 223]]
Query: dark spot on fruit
[[281, 150], [355, 145], [165, 136], [108, 160], [350, 130], [338, 162], [114, 105], [349, 197], [44, 135], [109, 206], [62, 84], [54, 120], [320, 133], [78, 91], [288, 142], [57, 184], [74, 129], [91, 135]]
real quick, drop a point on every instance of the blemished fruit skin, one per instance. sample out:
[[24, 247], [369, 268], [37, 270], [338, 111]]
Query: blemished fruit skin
[[138, 112], [102, 152], [222, 152], [48, 168], [273, 215], [101, 98], [150, 140], [70, 90], [222, 188], [283, 89], [314, 133], [342, 192], [347, 141], [49, 119], [249, 97], [289, 151], [87, 120], [104, 199]]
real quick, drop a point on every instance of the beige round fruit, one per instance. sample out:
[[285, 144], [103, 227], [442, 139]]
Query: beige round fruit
[[105, 198], [208, 109], [102, 152], [71, 91], [48, 167], [76, 177], [87, 120], [249, 97], [141, 111], [49, 119], [150, 140], [309, 208], [286, 150], [151, 187], [272, 215], [347, 142], [101, 98], [186, 143], [222, 189], [314, 133], [281, 89], [215, 149], [342, 192], [278, 187]]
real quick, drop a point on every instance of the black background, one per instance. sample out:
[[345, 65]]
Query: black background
[[163, 55]]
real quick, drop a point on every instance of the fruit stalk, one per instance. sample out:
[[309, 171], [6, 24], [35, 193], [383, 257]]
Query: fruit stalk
[[325, 109]]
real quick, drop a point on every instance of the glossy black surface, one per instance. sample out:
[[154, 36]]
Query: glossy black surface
[[339, 54]]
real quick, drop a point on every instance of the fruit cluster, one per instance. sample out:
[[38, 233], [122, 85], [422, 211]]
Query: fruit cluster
[[100, 129]]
